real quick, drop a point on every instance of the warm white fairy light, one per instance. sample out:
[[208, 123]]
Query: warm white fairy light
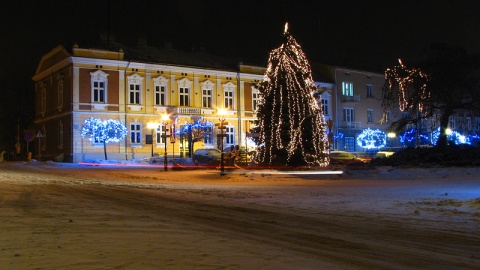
[[412, 87], [287, 89]]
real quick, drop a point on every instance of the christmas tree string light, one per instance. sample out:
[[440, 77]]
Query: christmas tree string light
[[292, 127], [408, 87], [104, 131], [372, 139]]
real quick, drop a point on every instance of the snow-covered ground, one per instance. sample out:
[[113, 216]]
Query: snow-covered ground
[[133, 215]]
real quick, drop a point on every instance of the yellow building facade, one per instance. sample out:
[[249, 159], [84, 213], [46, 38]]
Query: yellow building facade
[[72, 86]]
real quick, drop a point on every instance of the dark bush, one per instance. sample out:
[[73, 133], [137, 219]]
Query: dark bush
[[453, 155]]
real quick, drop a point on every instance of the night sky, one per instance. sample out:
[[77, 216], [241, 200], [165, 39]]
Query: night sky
[[370, 34], [359, 34]]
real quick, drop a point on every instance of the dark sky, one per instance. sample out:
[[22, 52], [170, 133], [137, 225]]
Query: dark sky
[[367, 33]]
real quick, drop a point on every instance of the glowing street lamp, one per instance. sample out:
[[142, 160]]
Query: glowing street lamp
[[152, 127], [165, 120], [221, 113]]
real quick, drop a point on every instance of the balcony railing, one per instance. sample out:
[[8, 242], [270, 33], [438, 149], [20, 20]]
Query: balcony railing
[[351, 125], [350, 98], [188, 111]]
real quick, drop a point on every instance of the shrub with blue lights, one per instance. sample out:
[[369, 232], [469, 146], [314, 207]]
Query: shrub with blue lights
[[372, 139], [457, 138], [408, 138]]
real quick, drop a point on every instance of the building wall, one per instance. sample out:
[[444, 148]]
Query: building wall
[[361, 103]]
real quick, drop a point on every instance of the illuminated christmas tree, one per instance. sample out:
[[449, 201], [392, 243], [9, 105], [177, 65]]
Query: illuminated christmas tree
[[291, 126]]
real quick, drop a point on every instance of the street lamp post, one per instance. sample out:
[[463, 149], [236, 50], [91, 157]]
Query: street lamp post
[[221, 113], [165, 119]]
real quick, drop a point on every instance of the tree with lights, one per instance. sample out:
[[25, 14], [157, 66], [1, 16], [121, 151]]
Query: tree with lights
[[195, 132], [407, 89], [454, 84], [104, 131], [291, 125]]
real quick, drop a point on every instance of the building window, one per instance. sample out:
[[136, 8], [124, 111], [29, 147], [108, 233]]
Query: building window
[[60, 135], [350, 144], [348, 115], [43, 99], [325, 106], [160, 86], [184, 96], [451, 122], [347, 89], [208, 136], [44, 141], [230, 132], [136, 133], [60, 93], [135, 89], [158, 134], [164, 128], [207, 91], [469, 123], [369, 116], [207, 98], [369, 90], [229, 94], [386, 117], [256, 99], [184, 86], [99, 84], [160, 95], [477, 123]]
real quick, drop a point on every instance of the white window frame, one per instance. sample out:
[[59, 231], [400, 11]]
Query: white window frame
[[387, 117], [136, 129], [229, 96], [135, 86], [158, 134], [370, 116], [256, 99], [469, 123], [208, 136], [43, 99], [230, 135], [349, 115], [160, 84], [184, 90], [349, 143], [325, 100], [347, 89], [99, 77], [161, 129], [60, 135], [207, 94], [369, 91], [325, 106], [451, 122], [60, 93]]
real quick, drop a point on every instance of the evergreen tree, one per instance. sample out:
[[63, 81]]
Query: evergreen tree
[[291, 126]]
